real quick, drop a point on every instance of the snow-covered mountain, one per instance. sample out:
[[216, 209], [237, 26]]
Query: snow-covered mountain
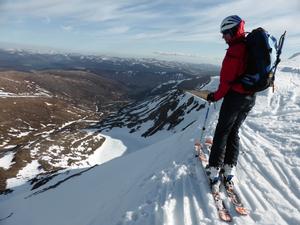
[[138, 75], [292, 64], [144, 179]]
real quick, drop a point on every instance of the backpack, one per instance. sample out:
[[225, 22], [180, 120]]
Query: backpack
[[263, 54]]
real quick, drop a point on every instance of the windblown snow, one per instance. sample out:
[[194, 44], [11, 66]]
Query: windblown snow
[[161, 183]]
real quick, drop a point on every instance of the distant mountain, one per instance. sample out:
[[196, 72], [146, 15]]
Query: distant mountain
[[139, 75], [294, 55], [292, 65]]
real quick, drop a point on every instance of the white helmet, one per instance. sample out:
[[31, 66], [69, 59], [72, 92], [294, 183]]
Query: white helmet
[[230, 22]]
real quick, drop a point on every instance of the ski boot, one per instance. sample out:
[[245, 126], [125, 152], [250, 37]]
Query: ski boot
[[228, 173], [213, 174]]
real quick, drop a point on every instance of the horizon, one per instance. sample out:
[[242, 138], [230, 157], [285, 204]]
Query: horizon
[[167, 30], [170, 57]]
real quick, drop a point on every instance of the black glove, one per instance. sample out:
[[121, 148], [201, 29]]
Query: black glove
[[210, 97]]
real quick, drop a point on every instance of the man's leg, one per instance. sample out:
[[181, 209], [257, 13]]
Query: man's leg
[[227, 118], [233, 140]]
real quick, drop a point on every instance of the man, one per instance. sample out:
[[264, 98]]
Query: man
[[236, 104]]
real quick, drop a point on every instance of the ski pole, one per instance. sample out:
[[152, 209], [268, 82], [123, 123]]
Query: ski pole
[[204, 124], [198, 144], [279, 49]]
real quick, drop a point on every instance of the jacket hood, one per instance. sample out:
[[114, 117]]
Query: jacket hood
[[240, 34]]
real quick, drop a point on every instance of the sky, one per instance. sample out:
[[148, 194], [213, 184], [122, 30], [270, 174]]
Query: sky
[[170, 29]]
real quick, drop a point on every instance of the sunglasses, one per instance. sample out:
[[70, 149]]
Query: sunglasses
[[226, 32]]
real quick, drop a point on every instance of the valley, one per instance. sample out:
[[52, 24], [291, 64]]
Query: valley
[[52, 113]]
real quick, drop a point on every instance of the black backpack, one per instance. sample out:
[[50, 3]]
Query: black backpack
[[263, 56]]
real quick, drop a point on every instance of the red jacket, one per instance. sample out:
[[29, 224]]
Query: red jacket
[[234, 65]]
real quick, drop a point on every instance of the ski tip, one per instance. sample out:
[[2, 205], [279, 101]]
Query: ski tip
[[197, 142], [242, 211], [202, 158], [225, 216], [209, 140]]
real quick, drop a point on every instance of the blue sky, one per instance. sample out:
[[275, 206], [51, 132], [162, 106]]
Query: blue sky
[[172, 29]]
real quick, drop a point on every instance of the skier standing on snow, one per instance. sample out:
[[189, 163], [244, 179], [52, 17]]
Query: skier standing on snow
[[236, 104]]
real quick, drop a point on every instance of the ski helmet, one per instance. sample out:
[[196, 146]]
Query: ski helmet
[[230, 23]]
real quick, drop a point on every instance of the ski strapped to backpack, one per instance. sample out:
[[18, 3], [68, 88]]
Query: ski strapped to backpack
[[263, 56]]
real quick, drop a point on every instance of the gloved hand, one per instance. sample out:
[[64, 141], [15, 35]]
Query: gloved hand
[[210, 97]]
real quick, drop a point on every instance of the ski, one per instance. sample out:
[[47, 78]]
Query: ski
[[2, 219], [229, 189], [235, 199], [200, 154], [223, 212]]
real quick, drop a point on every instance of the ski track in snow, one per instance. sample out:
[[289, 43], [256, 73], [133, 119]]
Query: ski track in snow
[[180, 197], [270, 165]]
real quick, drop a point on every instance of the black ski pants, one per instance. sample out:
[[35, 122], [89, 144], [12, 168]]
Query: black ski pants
[[233, 112]]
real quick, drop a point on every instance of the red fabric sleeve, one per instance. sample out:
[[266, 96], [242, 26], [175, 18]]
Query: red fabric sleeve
[[233, 65]]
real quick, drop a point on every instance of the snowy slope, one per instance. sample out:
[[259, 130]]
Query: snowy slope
[[292, 65], [162, 183]]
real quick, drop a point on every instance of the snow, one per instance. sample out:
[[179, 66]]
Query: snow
[[9, 146], [158, 181], [39, 93], [6, 160], [27, 173], [23, 134], [23, 95], [110, 149], [174, 82], [292, 63], [5, 94]]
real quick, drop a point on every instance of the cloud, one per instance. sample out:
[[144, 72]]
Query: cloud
[[67, 28], [155, 34], [163, 21], [189, 57], [195, 18], [118, 30], [46, 20], [180, 54]]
